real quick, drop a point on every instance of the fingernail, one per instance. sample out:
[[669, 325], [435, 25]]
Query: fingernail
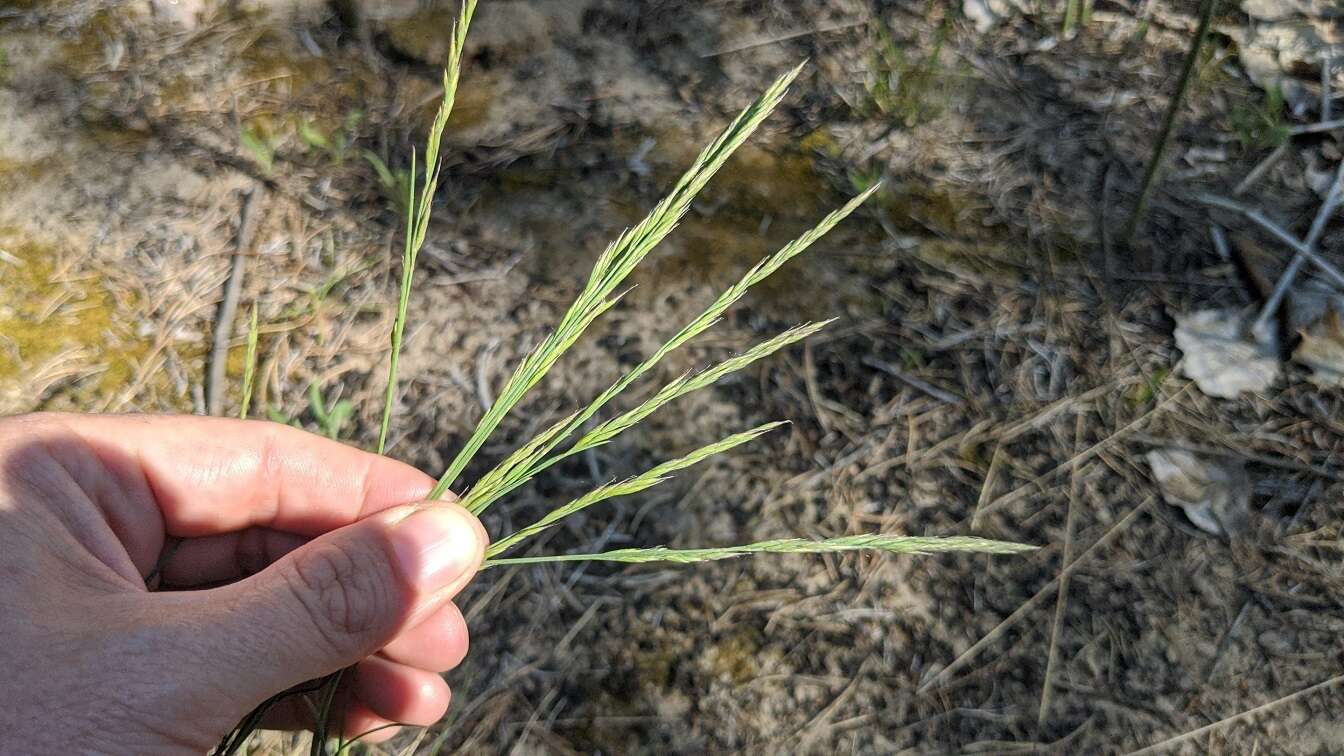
[[437, 546]]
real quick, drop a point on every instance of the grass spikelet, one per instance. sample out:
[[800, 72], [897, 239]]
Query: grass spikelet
[[518, 471], [418, 210], [612, 268], [869, 542], [634, 484], [513, 472]]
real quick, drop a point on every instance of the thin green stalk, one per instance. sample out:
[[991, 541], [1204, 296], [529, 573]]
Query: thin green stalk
[[249, 365], [408, 259], [417, 225], [519, 467], [418, 211], [611, 269], [1168, 123], [631, 485], [347, 745], [1071, 13], [868, 542]]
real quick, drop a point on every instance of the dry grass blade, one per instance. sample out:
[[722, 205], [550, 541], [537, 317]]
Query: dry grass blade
[[867, 542]]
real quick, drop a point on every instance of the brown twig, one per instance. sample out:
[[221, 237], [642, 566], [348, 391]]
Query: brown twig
[[1177, 739], [228, 306]]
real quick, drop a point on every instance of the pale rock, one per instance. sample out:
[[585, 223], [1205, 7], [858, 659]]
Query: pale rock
[[986, 14], [1272, 54], [1220, 358]]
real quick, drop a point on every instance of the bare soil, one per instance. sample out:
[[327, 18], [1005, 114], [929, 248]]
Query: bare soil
[[1000, 365]]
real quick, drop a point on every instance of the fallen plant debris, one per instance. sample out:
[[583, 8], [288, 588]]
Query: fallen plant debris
[[599, 295], [1219, 355], [1322, 350], [1215, 493]]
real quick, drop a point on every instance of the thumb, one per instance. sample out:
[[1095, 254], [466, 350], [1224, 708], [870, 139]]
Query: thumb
[[339, 598]]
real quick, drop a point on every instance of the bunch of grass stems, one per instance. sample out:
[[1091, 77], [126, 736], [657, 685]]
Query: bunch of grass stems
[[562, 439]]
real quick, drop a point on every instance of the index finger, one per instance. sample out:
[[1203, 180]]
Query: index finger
[[212, 475]]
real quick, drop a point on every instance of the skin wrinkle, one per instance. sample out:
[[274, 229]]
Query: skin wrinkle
[[59, 484], [127, 523], [269, 479], [65, 485], [252, 551], [148, 488], [365, 490]]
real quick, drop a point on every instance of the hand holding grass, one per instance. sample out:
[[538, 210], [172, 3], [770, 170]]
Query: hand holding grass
[[280, 557]]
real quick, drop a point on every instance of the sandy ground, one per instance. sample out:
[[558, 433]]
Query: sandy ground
[[1000, 365]]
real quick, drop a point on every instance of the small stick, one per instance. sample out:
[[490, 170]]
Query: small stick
[[1238, 717], [228, 306], [1317, 227], [1259, 171], [1316, 128], [1061, 602], [940, 394], [1044, 593], [1220, 242], [1325, 265], [1326, 60], [1024, 490], [785, 37], [986, 488]]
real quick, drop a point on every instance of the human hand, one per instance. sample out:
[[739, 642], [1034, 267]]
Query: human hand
[[298, 557]]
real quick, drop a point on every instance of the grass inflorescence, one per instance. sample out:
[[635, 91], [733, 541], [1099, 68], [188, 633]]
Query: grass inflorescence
[[600, 293], [867, 542]]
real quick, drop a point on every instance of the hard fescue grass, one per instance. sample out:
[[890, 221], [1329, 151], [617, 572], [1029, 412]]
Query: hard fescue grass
[[868, 542], [418, 208], [612, 268], [600, 293]]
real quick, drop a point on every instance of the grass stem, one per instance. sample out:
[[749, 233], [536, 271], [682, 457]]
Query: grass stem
[[1150, 173], [249, 365]]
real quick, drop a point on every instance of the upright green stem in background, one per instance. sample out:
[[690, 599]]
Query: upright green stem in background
[[1168, 123], [1071, 13], [418, 211], [249, 365], [408, 257]]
